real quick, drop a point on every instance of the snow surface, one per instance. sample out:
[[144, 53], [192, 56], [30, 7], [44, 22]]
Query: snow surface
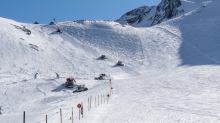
[[171, 72]]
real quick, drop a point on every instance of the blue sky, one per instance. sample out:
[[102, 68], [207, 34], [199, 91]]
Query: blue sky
[[43, 11]]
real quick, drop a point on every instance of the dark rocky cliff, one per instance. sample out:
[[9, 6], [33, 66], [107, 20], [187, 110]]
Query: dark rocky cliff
[[150, 16]]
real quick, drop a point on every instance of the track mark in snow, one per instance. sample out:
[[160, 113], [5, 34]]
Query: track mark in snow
[[37, 88], [130, 71]]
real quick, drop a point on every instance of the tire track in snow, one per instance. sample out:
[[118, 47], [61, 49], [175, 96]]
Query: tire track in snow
[[37, 87], [66, 37], [129, 71]]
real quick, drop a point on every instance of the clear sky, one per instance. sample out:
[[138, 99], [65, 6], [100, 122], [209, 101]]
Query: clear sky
[[43, 11]]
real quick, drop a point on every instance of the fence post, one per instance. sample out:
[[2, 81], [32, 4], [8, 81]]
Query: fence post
[[108, 96], [46, 118], [95, 101], [101, 99], [79, 113], [0, 110], [72, 116], [88, 104], [24, 117], [60, 115], [111, 90], [82, 109], [104, 98], [98, 100]]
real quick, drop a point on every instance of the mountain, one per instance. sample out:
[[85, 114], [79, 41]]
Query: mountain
[[148, 16], [171, 71], [167, 9], [142, 16]]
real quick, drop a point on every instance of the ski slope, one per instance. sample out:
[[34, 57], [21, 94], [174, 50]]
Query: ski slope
[[171, 72]]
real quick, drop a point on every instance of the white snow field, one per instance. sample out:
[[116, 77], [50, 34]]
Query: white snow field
[[171, 72]]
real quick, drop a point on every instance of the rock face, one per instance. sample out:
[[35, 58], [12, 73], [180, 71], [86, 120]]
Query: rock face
[[149, 16], [167, 9], [136, 16]]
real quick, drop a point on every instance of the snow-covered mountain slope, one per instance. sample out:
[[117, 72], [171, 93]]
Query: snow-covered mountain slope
[[69, 51], [170, 73], [200, 34], [167, 9]]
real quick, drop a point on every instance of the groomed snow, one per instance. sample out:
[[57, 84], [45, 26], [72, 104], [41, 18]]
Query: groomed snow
[[171, 72]]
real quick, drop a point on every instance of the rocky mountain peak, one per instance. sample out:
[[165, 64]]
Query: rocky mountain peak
[[167, 9], [149, 16], [136, 16]]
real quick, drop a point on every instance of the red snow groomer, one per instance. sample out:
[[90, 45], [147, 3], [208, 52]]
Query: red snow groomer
[[69, 82]]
